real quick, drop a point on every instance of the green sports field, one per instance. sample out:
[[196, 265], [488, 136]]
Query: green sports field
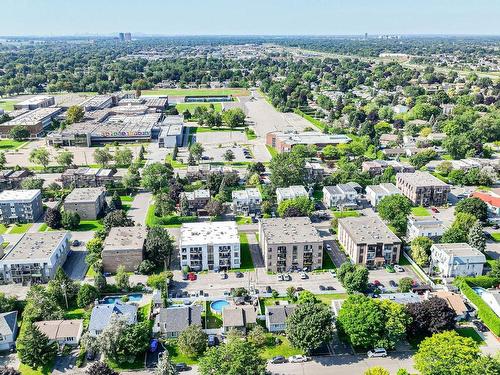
[[181, 107], [197, 92]]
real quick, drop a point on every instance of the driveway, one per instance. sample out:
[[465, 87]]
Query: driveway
[[139, 207], [75, 266], [337, 256], [66, 364], [9, 360], [258, 260]]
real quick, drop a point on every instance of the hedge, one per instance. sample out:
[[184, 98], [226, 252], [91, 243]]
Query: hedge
[[309, 118], [485, 282], [485, 312]]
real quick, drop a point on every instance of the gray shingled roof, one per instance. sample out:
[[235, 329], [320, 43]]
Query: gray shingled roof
[[101, 314], [8, 323], [278, 314], [177, 319]]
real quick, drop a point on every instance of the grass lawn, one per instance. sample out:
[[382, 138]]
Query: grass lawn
[[204, 129], [420, 211], [45, 370], [175, 354], [43, 227], [181, 107], [272, 150], [10, 144], [327, 261], [250, 135], [137, 364], [246, 256], [126, 198], [7, 105], [210, 319], [471, 333], [311, 119], [496, 236], [174, 163], [403, 261], [90, 272], [328, 298], [172, 221], [3, 229], [86, 225], [341, 214], [75, 314], [197, 92], [284, 347], [318, 195], [20, 228], [243, 220]]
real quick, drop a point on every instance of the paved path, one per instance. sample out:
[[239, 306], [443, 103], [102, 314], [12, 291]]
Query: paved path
[[139, 207], [258, 260]]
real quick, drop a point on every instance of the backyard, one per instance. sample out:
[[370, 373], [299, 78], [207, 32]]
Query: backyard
[[420, 211]]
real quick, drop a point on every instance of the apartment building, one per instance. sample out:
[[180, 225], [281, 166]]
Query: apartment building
[[246, 201], [456, 259], [291, 192], [35, 258], [88, 203], [91, 177], [210, 245], [314, 172], [341, 196], [377, 167], [10, 179], [290, 243], [197, 200], [423, 189], [374, 193], [20, 206], [124, 246], [424, 226], [368, 241]]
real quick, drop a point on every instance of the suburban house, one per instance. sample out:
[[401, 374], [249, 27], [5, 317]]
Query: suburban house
[[63, 332], [492, 298], [246, 201], [375, 193], [238, 317], [8, 330], [276, 317], [453, 300], [368, 241], [88, 203], [290, 243], [314, 172], [423, 189], [492, 200], [341, 196], [124, 246], [197, 200], [291, 192], [377, 167], [211, 245], [456, 259], [171, 321], [424, 226], [20, 206], [102, 313]]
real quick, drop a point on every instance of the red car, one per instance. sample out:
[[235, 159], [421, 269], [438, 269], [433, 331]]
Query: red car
[[376, 283], [191, 276], [434, 209]]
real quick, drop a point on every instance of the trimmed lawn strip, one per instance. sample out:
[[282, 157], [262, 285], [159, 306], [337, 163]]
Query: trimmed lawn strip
[[284, 347], [43, 227], [272, 150], [197, 92], [174, 163], [20, 228], [175, 354], [136, 365], [341, 214], [420, 211], [88, 225], [7, 105], [10, 144], [496, 236], [245, 255], [181, 107], [317, 123], [243, 220], [471, 333], [172, 221], [3, 228]]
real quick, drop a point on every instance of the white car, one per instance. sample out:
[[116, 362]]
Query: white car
[[334, 273], [287, 277], [399, 268], [298, 359], [377, 352], [328, 247], [280, 277], [303, 276]]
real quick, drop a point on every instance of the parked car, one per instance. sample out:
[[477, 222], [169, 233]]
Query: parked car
[[329, 287], [434, 209], [239, 275], [481, 327], [280, 277], [287, 277], [322, 287], [184, 276], [389, 268], [153, 345], [398, 268], [181, 367], [377, 283], [303, 276], [377, 352], [328, 247], [76, 243], [212, 340], [278, 359], [298, 359], [393, 283], [299, 289], [333, 273], [191, 276], [223, 276], [268, 289]]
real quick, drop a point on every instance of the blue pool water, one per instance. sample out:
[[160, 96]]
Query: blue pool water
[[136, 297], [478, 290], [218, 305]]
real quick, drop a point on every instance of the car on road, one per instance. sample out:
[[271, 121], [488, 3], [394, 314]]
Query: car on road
[[287, 277], [303, 276], [328, 247], [398, 268], [76, 243], [481, 327], [298, 359], [393, 283], [377, 352], [239, 275], [278, 359], [280, 277], [181, 367], [322, 287]]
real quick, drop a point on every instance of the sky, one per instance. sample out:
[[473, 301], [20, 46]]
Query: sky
[[249, 17]]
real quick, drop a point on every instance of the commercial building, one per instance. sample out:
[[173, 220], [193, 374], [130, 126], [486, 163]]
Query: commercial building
[[88, 203], [35, 121], [197, 200], [456, 259], [284, 142], [90, 177], [374, 193], [377, 167], [98, 102], [291, 192], [124, 246], [171, 132], [159, 104], [35, 258], [39, 101], [170, 322], [423, 189], [290, 243], [276, 317], [368, 241], [101, 316], [8, 330], [246, 202], [425, 226], [62, 332], [210, 245], [341, 196], [239, 318], [20, 206]]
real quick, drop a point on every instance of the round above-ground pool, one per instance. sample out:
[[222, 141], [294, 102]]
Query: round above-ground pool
[[218, 305]]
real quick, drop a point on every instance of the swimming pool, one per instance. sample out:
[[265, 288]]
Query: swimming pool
[[218, 305], [135, 297], [478, 290]]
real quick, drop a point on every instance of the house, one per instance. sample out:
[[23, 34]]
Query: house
[[11, 180], [375, 193], [377, 167], [393, 153], [291, 192], [492, 298], [246, 201], [341, 196], [170, 322], [20, 206], [63, 332], [387, 139], [453, 300], [456, 259], [492, 200], [276, 317], [424, 226], [423, 189], [290, 243], [313, 172], [88, 203], [197, 200], [8, 330], [211, 245], [34, 258], [368, 241], [238, 317], [124, 246], [101, 315]]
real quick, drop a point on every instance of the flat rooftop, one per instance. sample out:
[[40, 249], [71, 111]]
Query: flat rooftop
[[458, 249], [421, 179], [84, 195], [289, 230], [36, 246], [124, 238], [96, 101], [292, 191], [33, 117], [21, 196], [36, 100], [215, 232], [368, 229], [311, 138]]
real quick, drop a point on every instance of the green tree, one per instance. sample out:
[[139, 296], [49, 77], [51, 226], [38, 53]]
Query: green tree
[[87, 295], [447, 353], [102, 156], [53, 218], [430, 316], [8, 304], [65, 158], [165, 366], [100, 282], [229, 155], [62, 289], [117, 218], [40, 305], [40, 156], [159, 246], [405, 284], [156, 177], [257, 336], [459, 230], [309, 326], [116, 202], [192, 341], [123, 156], [122, 278], [19, 133], [476, 237], [395, 209], [422, 158], [300, 206], [307, 297], [74, 114], [473, 206], [35, 348], [70, 220], [287, 169], [32, 183], [354, 278], [234, 117], [100, 368], [421, 249], [196, 149]]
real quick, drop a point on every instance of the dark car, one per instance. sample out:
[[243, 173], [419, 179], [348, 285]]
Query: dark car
[[76, 243], [393, 283], [322, 287], [329, 287], [299, 289], [239, 275], [268, 289], [181, 367], [481, 327], [278, 359], [90, 355]]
